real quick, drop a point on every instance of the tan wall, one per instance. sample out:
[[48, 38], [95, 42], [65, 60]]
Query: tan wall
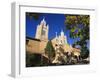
[[33, 46], [36, 46], [43, 46]]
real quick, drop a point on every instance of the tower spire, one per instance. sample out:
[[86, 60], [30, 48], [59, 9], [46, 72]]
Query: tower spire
[[56, 34], [44, 18], [43, 21], [62, 32]]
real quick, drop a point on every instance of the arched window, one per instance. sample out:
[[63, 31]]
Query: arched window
[[43, 32]]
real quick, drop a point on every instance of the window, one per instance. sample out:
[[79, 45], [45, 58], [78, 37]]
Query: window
[[43, 32]]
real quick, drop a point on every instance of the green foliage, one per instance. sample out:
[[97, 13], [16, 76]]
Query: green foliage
[[86, 52], [35, 15], [32, 60], [50, 49], [78, 25]]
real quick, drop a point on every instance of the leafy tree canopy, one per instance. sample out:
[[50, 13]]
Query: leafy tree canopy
[[78, 25], [35, 15]]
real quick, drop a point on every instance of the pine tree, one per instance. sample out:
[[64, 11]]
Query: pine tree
[[49, 50]]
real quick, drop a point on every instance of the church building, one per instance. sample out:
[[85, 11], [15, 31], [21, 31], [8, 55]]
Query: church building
[[38, 44]]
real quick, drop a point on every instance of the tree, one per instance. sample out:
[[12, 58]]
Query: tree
[[50, 50], [33, 59], [78, 25], [35, 15]]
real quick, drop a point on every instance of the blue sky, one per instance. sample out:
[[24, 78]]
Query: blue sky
[[55, 22]]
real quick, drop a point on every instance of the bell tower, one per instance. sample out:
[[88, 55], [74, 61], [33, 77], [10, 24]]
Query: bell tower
[[42, 30]]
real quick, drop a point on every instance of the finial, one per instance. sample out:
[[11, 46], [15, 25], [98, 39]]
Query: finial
[[56, 34], [62, 33], [43, 18], [61, 30]]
